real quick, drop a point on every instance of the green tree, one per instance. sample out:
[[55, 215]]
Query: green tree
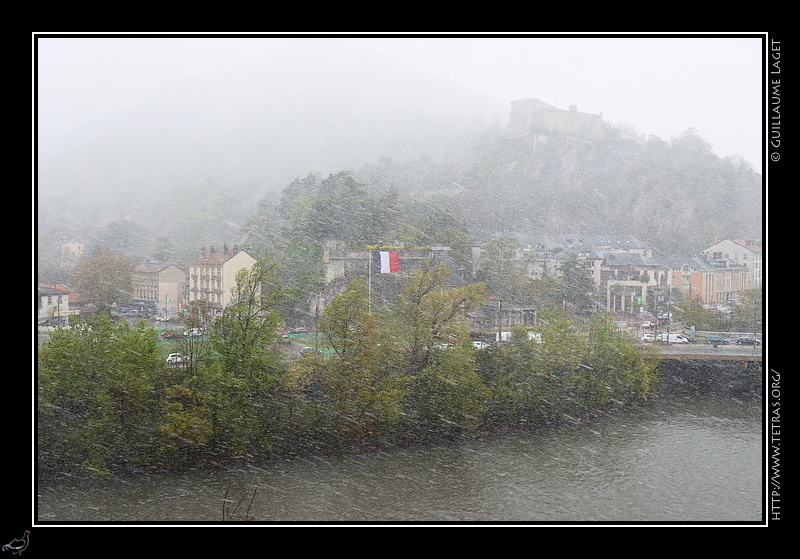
[[340, 319], [450, 394], [747, 315], [365, 393], [500, 269], [188, 422], [693, 313], [617, 368], [241, 381], [429, 312], [97, 395], [261, 230], [556, 359], [248, 326], [577, 284]]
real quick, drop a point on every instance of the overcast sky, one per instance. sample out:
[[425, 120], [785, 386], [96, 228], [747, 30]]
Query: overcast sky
[[660, 86]]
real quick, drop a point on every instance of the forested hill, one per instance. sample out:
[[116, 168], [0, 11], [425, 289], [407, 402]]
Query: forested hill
[[676, 195]]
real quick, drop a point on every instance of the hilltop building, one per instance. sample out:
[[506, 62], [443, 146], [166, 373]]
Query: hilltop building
[[535, 117]]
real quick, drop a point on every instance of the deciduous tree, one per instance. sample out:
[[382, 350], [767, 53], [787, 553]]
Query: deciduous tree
[[104, 277], [365, 393]]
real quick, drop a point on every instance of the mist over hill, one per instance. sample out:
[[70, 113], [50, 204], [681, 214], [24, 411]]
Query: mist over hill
[[191, 163], [677, 196], [226, 141]]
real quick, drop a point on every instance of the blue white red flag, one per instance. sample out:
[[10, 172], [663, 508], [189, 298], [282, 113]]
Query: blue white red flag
[[384, 262]]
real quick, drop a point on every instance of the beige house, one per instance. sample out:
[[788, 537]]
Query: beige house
[[71, 252], [213, 275], [159, 285]]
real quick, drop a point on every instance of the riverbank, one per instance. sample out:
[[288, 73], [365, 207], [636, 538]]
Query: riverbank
[[638, 465], [711, 378]]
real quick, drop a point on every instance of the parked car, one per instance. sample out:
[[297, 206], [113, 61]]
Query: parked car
[[480, 345], [176, 359], [672, 338], [300, 330], [192, 332], [648, 338], [716, 340], [167, 335], [746, 340]]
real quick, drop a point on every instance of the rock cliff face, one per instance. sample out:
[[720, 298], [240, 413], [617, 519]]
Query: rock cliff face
[[676, 196]]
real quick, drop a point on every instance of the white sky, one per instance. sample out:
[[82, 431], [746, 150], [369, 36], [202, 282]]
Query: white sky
[[658, 85]]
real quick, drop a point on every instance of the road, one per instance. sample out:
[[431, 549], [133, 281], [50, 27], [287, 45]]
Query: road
[[707, 351]]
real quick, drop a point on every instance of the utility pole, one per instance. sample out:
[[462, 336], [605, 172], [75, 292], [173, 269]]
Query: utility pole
[[499, 322]]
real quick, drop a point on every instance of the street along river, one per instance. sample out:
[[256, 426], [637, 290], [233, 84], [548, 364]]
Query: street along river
[[678, 458]]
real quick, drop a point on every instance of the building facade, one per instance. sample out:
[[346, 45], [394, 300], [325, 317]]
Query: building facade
[[622, 268], [533, 117], [52, 305], [740, 252], [713, 282], [161, 286], [213, 275]]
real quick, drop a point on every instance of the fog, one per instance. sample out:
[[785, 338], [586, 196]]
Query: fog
[[659, 86]]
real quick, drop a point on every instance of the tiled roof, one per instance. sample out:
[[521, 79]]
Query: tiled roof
[[213, 258], [60, 288], [150, 267], [755, 246]]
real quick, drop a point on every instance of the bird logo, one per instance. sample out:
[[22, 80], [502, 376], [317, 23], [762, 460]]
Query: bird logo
[[18, 545]]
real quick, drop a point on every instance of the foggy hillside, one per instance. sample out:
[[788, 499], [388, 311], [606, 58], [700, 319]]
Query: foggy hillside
[[677, 196], [236, 137], [191, 162]]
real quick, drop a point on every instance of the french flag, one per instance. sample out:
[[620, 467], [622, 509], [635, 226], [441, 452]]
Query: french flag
[[385, 262]]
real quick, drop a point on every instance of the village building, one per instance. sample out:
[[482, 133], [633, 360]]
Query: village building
[[623, 269], [52, 305], [342, 264], [713, 282], [160, 286], [212, 276], [71, 252], [740, 252]]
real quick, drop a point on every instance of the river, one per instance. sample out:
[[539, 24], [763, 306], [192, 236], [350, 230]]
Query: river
[[677, 459]]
